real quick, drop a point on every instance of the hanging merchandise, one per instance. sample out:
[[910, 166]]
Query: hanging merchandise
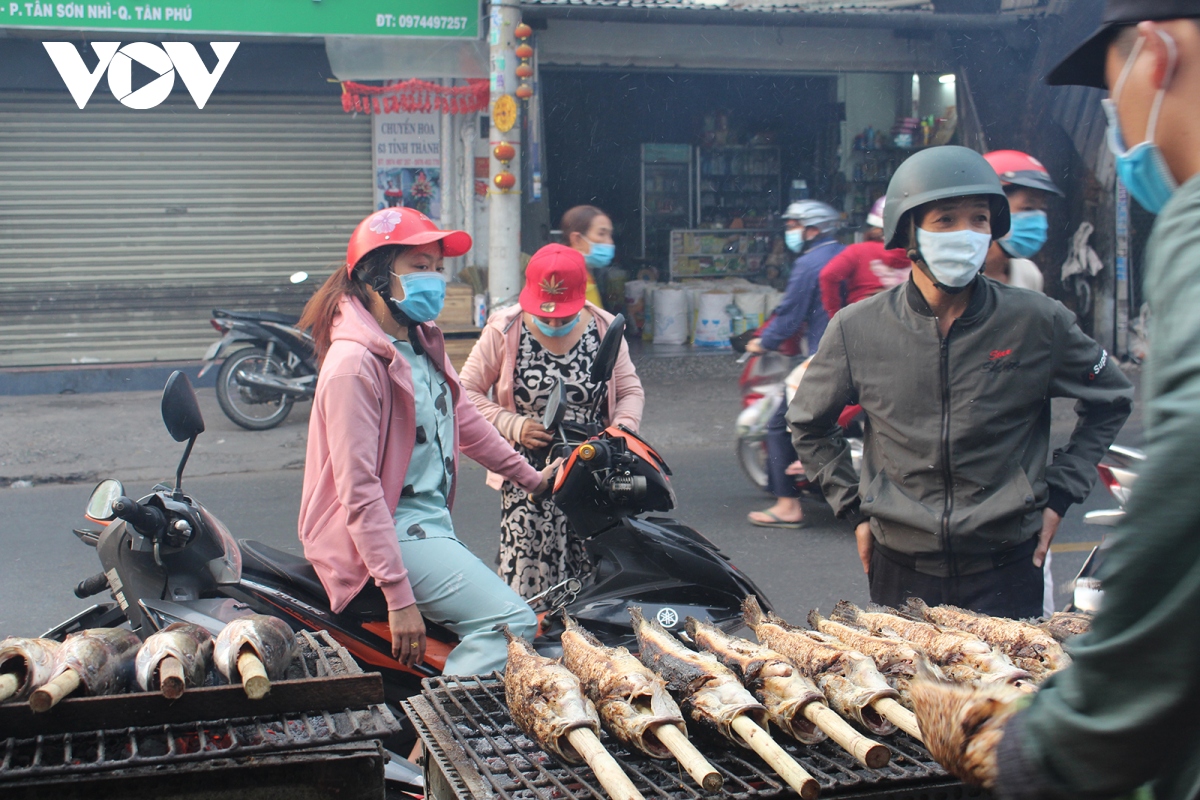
[[415, 96]]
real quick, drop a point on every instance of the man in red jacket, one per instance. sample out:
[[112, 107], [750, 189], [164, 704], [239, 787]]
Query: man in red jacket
[[863, 269]]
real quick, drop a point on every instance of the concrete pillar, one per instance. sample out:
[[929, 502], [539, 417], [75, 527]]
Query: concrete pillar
[[504, 213]]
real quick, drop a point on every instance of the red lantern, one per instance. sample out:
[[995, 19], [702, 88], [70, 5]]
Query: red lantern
[[504, 180], [522, 31], [504, 152], [524, 51], [524, 92], [524, 70]]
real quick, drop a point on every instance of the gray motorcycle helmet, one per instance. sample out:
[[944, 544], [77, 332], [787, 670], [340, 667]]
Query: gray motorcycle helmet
[[814, 214], [936, 174]]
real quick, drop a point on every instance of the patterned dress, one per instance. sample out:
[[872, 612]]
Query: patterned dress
[[537, 546]]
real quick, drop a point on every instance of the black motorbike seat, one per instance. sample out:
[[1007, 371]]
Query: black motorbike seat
[[292, 569], [257, 316]]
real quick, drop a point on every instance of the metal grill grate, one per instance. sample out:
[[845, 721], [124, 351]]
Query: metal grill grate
[[474, 712]]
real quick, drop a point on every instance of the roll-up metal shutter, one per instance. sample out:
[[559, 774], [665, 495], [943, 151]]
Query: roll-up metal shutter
[[120, 230]]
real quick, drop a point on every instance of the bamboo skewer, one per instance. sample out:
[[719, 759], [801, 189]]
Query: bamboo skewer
[[170, 678], [8, 685], [608, 772], [899, 716], [50, 695], [868, 751], [689, 757], [253, 674], [784, 765]]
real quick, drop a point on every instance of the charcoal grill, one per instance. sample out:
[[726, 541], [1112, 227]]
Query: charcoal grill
[[315, 725], [476, 752]]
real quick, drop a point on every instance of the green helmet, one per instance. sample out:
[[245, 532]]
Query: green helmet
[[936, 174]]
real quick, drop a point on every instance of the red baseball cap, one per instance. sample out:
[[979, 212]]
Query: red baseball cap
[[401, 226], [555, 282]]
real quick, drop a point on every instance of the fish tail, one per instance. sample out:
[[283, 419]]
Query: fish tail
[[752, 612], [508, 635], [815, 619], [691, 625], [847, 612], [916, 607], [569, 623]]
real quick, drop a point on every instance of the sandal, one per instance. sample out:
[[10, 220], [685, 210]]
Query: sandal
[[775, 522]]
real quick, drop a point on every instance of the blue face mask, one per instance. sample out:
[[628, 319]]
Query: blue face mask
[[1142, 168], [424, 295], [794, 239], [1027, 234], [601, 254], [561, 330]]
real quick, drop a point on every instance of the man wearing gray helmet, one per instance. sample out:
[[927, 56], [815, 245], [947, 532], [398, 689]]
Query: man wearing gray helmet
[[811, 226], [955, 373]]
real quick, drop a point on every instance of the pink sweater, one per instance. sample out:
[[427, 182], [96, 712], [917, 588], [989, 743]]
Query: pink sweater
[[493, 362], [361, 434]]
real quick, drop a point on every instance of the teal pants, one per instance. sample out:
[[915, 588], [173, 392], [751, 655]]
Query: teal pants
[[456, 590]]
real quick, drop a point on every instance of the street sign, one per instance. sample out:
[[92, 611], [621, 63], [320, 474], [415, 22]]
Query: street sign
[[455, 19]]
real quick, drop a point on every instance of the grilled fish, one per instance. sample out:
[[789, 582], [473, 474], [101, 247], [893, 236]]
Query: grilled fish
[[25, 664], [545, 699], [894, 657], [269, 637], [1062, 625], [709, 693], [775, 682], [1029, 647], [945, 647], [849, 680], [962, 727], [190, 644], [102, 657], [631, 699]]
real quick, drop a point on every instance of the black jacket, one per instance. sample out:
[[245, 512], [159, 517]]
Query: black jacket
[[958, 429]]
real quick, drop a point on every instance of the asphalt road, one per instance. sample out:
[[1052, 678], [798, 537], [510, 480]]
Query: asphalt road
[[797, 570]]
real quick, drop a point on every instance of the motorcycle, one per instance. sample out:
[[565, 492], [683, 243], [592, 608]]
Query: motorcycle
[[257, 385], [1118, 473], [165, 558]]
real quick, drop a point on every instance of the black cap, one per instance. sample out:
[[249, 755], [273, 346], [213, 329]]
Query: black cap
[[1085, 65]]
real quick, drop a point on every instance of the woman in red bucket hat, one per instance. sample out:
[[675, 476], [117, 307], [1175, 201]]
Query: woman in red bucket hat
[[388, 421], [554, 333]]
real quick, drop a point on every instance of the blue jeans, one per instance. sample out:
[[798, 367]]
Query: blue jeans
[[458, 591], [780, 455]]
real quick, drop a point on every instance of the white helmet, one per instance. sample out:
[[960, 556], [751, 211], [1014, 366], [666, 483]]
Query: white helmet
[[814, 214]]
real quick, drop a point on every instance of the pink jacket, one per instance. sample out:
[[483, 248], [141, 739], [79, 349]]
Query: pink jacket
[[493, 362], [361, 434]]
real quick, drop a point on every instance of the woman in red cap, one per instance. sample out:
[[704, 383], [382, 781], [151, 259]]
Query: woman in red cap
[[388, 421], [553, 333]]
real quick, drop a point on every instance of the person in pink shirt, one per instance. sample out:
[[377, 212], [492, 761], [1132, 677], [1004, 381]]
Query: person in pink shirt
[[863, 269], [388, 422]]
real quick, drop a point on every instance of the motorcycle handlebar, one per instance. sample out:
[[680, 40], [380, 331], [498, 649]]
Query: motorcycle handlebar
[[146, 520], [93, 585]]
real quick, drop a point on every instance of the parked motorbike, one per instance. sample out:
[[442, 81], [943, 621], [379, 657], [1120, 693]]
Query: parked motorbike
[[165, 558], [258, 384], [1118, 473]]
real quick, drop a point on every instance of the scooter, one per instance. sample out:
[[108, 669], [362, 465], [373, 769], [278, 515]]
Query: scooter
[[257, 385], [1118, 473], [165, 558]]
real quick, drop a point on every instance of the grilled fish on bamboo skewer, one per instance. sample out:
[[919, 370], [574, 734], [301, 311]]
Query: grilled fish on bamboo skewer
[[893, 656], [25, 664], [99, 659], [712, 696], [1029, 647], [851, 683], [547, 702], [1062, 625], [963, 726], [254, 650], [793, 701], [189, 646], [633, 702], [943, 646]]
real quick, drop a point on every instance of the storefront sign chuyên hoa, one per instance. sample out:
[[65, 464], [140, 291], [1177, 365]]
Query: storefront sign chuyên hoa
[[457, 19]]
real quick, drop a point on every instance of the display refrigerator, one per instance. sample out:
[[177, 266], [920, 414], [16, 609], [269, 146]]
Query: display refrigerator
[[667, 191]]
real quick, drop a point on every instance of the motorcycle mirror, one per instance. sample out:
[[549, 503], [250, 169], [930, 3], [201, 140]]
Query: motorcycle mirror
[[181, 414], [610, 348], [298, 277], [556, 406], [99, 505]]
